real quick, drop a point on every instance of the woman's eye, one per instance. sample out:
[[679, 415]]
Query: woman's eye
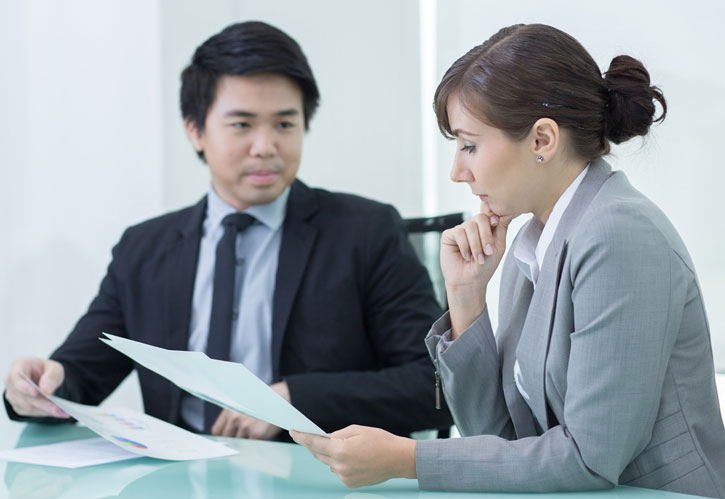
[[468, 148]]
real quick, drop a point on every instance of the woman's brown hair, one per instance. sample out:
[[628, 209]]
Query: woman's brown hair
[[527, 72]]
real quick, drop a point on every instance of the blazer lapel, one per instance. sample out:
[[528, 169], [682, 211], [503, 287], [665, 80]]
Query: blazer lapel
[[520, 412], [180, 264], [533, 347], [298, 238]]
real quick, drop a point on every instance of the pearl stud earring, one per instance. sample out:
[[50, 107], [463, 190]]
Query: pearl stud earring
[[540, 159]]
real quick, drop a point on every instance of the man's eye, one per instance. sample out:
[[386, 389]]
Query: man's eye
[[285, 125], [240, 124], [468, 148]]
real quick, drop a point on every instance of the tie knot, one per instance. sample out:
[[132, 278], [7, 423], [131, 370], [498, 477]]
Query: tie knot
[[237, 221]]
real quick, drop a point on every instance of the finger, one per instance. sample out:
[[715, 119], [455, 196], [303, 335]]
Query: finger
[[45, 407], [485, 208], [23, 373], [485, 235], [493, 218], [243, 427], [51, 378], [314, 443], [322, 458], [24, 398], [220, 423], [474, 240], [18, 384], [37, 406], [231, 425], [262, 430], [499, 233], [347, 432], [459, 235]]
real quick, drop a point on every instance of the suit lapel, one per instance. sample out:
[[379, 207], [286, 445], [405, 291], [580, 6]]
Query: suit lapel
[[180, 265], [298, 238], [533, 346], [509, 338]]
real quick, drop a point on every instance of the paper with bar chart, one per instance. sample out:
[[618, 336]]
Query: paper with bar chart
[[140, 433]]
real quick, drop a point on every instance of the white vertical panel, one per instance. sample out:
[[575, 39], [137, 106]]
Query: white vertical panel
[[428, 125]]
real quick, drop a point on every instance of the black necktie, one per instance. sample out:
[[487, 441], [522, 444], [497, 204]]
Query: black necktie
[[222, 303]]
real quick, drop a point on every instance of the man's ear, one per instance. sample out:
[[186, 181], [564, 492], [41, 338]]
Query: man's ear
[[545, 137], [195, 136]]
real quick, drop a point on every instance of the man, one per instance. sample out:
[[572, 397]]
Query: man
[[319, 294]]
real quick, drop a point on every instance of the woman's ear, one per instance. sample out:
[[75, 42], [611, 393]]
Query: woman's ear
[[545, 138]]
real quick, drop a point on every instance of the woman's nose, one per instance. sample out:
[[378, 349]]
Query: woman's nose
[[460, 174]]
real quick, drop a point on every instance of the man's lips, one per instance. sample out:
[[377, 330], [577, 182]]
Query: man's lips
[[262, 176]]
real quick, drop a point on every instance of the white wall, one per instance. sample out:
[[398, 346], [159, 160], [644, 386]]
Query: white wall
[[79, 153], [91, 139]]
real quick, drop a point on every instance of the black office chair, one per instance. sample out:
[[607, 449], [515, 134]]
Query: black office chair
[[425, 236]]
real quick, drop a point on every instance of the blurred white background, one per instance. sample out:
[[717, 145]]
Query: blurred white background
[[91, 139]]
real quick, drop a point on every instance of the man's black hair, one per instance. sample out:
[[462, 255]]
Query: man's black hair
[[244, 49]]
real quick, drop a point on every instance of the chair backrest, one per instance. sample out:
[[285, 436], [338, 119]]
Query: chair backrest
[[425, 236]]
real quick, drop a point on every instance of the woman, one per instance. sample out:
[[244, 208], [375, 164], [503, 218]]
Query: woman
[[601, 372]]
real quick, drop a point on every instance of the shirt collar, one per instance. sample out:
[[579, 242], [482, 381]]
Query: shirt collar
[[270, 214], [535, 241]]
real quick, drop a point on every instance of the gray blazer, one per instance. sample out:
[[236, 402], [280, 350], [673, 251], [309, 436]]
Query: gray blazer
[[614, 350]]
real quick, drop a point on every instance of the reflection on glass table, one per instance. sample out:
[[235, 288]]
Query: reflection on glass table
[[269, 470]]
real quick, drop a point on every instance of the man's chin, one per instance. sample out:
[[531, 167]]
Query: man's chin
[[262, 195]]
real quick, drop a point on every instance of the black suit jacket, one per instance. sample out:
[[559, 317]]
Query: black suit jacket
[[352, 306]]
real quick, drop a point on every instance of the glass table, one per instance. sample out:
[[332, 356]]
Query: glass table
[[268, 470]]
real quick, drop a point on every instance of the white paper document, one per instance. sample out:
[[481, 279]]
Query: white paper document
[[72, 454], [140, 433], [227, 384]]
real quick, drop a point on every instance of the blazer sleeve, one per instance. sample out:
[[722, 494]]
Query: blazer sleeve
[[92, 369], [399, 306], [628, 292], [477, 408]]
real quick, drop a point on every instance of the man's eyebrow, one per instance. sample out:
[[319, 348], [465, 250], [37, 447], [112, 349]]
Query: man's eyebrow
[[460, 131], [238, 113]]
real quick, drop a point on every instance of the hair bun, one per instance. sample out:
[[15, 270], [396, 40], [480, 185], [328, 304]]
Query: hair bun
[[631, 106]]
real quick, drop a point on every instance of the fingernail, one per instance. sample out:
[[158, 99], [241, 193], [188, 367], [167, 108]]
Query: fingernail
[[494, 219], [468, 256], [489, 249], [480, 258]]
